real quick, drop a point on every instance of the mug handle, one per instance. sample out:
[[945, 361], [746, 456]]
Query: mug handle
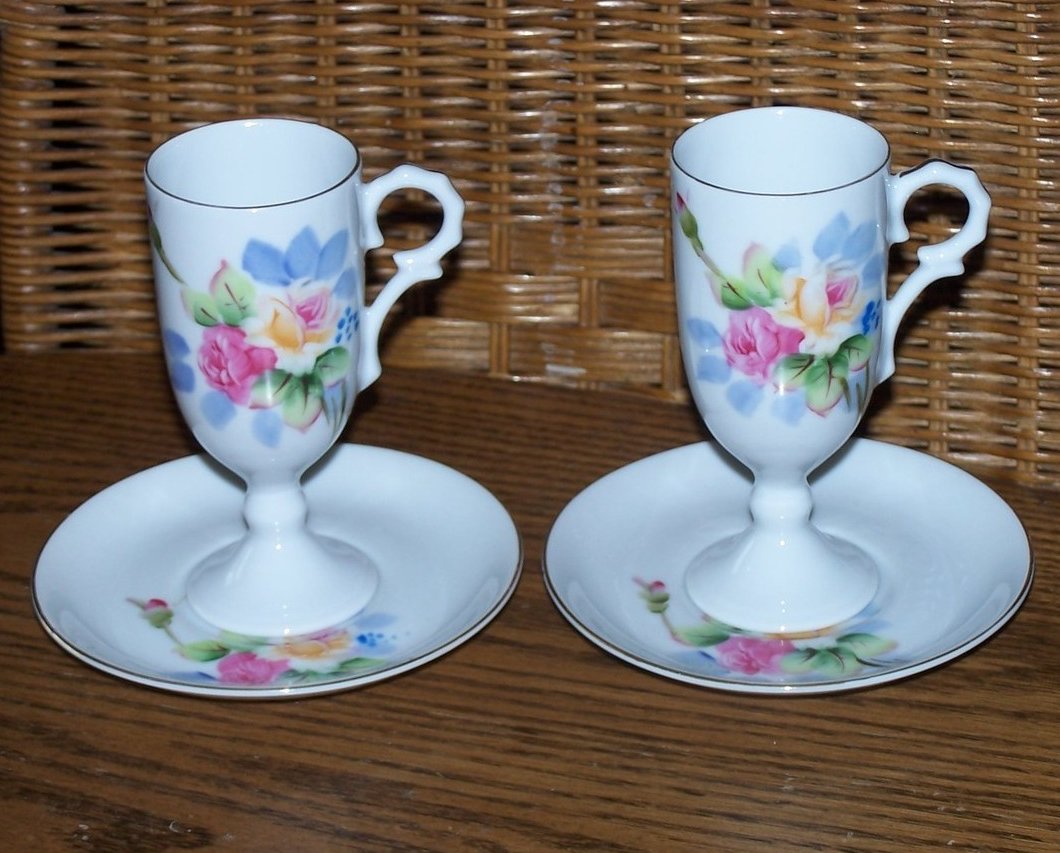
[[413, 265], [937, 260]]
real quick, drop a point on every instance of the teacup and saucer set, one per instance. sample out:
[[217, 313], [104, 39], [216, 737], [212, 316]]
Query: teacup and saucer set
[[276, 582], [783, 557], [787, 557]]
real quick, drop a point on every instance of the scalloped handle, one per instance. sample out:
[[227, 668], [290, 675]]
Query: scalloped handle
[[413, 265], [937, 260]]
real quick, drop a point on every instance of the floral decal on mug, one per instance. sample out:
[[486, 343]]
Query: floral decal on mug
[[803, 326], [837, 652], [277, 332]]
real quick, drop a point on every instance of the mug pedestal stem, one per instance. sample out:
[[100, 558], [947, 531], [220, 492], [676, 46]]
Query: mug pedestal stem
[[782, 575], [281, 579]]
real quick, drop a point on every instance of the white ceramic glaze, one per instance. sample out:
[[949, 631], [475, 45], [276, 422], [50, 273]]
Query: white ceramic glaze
[[954, 566], [259, 229], [783, 218], [110, 583]]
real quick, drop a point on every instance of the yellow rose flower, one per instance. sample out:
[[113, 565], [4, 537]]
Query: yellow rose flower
[[314, 647], [822, 304], [283, 326]]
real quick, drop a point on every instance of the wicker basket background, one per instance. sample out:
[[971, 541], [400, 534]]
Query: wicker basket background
[[554, 119]]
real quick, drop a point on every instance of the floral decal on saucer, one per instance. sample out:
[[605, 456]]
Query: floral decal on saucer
[[276, 334], [837, 652], [801, 325], [239, 660]]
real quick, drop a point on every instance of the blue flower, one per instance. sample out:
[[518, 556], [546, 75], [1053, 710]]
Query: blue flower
[[348, 323], [175, 345], [870, 317], [376, 642], [375, 620], [839, 240], [832, 237], [704, 333], [788, 257], [181, 375], [346, 284], [267, 427], [217, 408], [711, 368], [303, 258], [860, 242], [744, 396], [789, 407]]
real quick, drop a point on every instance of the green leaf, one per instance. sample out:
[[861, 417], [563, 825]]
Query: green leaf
[[835, 661], [156, 243], [761, 279], [857, 350], [657, 600], [733, 294], [271, 388], [333, 365], [690, 228], [826, 383], [201, 307], [304, 402], [240, 642], [707, 633], [335, 407], [358, 663], [791, 371], [864, 389], [863, 398], [159, 617], [799, 661], [234, 293], [866, 645], [301, 676], [203, 650]]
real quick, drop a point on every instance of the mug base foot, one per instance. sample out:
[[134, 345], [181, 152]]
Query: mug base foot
[[262, 588], [782, 581]]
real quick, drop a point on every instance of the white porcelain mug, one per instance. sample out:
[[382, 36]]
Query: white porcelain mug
[[783, 218], [259, 229]]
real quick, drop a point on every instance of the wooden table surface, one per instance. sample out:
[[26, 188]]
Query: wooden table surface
[[527, 737]]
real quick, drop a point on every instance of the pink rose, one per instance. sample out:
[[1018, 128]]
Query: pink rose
[[751, 655], [230, 364], [157, 612], [840, 287], [248, 668], [755, 342], [315, 310]]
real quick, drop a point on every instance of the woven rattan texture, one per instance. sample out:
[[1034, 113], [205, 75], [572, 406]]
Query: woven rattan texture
[[554, 119]]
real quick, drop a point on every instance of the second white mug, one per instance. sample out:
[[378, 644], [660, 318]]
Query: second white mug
[[783, 218]]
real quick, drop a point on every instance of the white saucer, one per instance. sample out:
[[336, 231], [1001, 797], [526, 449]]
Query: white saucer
[[109, 584], [955, 565]]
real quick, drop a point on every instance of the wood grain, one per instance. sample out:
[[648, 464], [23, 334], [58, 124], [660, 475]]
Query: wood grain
[[528, 738]]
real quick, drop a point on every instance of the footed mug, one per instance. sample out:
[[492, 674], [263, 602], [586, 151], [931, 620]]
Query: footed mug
[[783, 218], [259, 230]]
